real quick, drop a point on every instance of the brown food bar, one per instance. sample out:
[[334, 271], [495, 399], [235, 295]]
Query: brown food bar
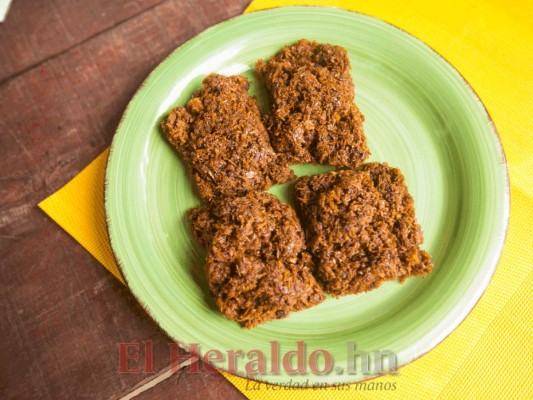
[[257, 266], [361, 228], [313, 117], [222, 138]]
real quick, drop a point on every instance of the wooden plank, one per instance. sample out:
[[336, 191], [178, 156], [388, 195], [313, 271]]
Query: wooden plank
[[37, 30], [63, 318], [193, 385], [63, 315]]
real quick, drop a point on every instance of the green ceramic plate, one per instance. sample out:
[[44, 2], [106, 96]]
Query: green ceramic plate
[[421, 116]]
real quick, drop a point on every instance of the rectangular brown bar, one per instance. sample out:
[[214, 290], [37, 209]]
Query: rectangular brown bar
[[221, 136], [257, 267], [313, 117], [361, 228]]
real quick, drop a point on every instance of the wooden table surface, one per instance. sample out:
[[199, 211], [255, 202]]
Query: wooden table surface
[[67, 71]]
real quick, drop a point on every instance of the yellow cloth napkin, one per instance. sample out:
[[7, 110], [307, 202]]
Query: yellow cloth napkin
[[490, 354]]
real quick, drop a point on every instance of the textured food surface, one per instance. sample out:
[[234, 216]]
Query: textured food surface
[[221, 136], [257, 265], [361, 228], [313, 117]]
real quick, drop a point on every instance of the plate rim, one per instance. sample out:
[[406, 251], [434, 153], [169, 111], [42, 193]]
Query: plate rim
[[494, 131]]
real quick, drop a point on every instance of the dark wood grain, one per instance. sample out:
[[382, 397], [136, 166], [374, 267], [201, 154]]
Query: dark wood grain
[[63, 314], [38, 30], [188, 385]]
